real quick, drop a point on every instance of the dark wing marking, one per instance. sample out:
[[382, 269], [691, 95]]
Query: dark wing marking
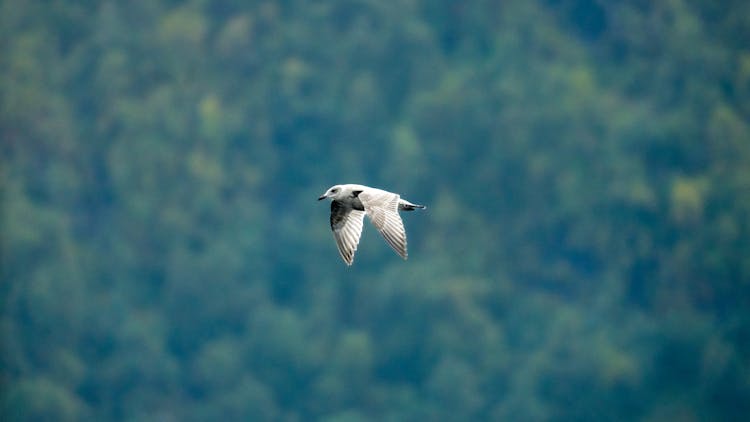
[[346, 224]]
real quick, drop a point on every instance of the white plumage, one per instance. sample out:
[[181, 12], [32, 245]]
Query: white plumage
[[349, 205]]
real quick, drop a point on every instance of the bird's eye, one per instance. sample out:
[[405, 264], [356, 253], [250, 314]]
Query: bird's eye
[[334, 190]]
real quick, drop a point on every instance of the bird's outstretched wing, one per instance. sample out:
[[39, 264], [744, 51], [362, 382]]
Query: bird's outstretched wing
[[346, 224], [382, 207]]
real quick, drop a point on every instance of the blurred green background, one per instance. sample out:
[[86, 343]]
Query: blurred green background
[[585, 254]]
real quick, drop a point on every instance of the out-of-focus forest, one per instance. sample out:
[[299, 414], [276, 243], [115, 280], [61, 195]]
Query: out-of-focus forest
[[585, 254]]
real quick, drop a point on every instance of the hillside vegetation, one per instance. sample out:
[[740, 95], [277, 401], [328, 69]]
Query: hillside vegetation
[[585, 254]]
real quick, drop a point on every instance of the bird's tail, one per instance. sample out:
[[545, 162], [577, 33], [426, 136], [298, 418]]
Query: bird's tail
[[405, 205]]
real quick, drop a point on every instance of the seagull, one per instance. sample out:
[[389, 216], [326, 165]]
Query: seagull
[[349, 205]]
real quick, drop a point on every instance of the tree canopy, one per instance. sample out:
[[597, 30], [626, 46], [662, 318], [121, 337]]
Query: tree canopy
[[585, 254]]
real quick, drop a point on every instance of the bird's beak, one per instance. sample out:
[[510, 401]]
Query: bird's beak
[[322, 197]]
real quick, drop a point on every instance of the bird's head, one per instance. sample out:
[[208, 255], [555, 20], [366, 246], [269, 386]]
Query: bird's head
[[334, 192]]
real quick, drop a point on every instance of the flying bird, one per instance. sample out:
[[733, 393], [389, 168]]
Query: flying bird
[[349, 205]]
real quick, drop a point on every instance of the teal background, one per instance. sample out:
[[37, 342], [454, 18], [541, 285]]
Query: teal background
[[585, 254]]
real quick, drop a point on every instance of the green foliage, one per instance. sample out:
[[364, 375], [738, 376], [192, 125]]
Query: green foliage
[[585, 254]]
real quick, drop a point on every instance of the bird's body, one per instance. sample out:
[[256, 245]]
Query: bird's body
[[349, 205]]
